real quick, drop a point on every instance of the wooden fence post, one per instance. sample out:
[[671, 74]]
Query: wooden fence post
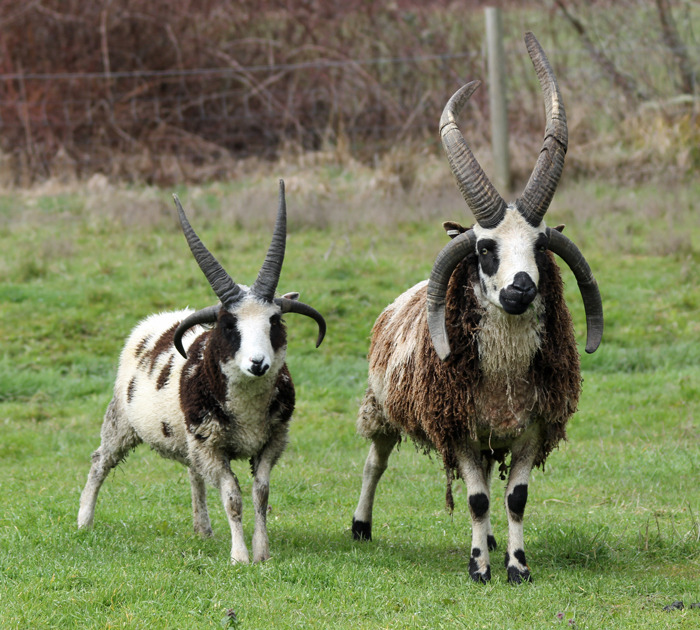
[[497, 97]]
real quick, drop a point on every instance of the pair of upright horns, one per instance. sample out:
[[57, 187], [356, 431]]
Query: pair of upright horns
[[229, 292], [489, 208]]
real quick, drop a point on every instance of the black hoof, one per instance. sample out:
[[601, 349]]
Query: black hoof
[[516, 576], [361, 530], [478, 576]]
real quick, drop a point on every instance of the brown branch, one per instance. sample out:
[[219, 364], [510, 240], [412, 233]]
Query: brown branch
[[676, 47], [624, 82]]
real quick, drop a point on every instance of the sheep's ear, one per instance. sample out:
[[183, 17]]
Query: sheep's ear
[[294, 295], [560, 228], [453, 228]]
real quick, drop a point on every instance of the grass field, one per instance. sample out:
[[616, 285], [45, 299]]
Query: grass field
[[612, 526]]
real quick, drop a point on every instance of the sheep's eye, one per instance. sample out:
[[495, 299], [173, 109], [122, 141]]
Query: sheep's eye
[[275, 320], [484, 251], [541, 248]]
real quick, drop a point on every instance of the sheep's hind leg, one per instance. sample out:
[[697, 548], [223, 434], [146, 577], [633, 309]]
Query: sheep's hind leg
[[522, 459], [200, 513], [375, 465], [473, 471], [117, 439]]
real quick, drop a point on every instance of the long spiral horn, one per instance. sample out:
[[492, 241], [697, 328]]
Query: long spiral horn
[[487, 206], [545, 176], [265, 284], [223, 285]]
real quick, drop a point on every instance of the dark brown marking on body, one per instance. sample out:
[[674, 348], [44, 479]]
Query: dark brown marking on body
[[164, 375], [130, 390]]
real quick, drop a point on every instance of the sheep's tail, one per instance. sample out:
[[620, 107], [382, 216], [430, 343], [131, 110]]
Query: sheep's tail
[[449, 499]]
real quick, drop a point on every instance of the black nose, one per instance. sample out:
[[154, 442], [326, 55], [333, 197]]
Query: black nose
[[258, 368], [518, 296]]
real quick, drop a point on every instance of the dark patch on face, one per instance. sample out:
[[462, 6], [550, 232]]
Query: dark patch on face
[[488, 255], [478, 504], [167, 430], [278, 332], [541, 250], [227, 334], [130, 390], [164, 375], [517, 501]]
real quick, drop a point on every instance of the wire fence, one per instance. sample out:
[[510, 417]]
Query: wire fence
[[176, 119]]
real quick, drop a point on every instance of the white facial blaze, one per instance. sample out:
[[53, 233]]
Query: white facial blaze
[[256, 355], [515, 242]]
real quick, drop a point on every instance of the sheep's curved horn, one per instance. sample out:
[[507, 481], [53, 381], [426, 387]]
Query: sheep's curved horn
[[294, 306], [487, 206], [593, 305], [450, 256], [269, 275], [545, 177], [223, 285], [207, 315]]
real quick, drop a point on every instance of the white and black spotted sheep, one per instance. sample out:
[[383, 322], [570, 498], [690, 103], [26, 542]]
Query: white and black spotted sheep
[[480, 362], [208, 387]]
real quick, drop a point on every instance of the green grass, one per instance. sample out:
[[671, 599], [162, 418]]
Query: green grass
[[613, 524]]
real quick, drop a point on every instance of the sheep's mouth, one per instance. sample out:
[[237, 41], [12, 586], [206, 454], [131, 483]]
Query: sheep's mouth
[[514, 307], [516, 302]]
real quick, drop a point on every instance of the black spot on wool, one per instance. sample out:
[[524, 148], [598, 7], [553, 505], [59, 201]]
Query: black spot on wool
[[517, 501], [479, 504]]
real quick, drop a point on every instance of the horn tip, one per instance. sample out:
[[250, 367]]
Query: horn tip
[[180, 348]]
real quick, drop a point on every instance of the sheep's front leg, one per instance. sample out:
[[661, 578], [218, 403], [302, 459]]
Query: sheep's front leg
[[262, 467], [261, 493], [231, 497], [375, 465], [522, 459], [474, 472], [200, 513]]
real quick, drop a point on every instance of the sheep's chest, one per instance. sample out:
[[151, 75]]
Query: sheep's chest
[[507, 345], [503, 407], [241, 436]]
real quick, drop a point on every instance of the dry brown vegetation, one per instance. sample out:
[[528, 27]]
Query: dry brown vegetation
[[172, 92]]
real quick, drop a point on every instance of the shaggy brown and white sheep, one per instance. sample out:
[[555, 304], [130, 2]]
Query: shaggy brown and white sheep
[[480, 363]]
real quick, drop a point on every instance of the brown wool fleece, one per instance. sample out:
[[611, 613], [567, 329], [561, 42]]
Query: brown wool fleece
[[434, 401]]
